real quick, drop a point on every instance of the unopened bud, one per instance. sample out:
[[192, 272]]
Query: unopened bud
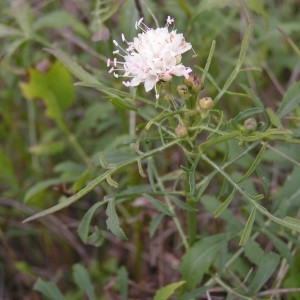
[[206, 103], [181, 131], [194, 82], [183, 91], [250, 125]]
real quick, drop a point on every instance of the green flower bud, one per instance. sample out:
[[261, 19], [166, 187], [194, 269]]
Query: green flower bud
[[206, 103], [181, 131], [194, 82], [183, 91], [250, 125]]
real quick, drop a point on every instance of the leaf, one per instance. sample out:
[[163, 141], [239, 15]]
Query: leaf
[[155, 223], [196, 293], [122, 280], [248, 227], [72, 66], [159, 206], [83, 229], [48, 289], [6, 31], [206, 5], [122, 103], [60, 19], [253, 252], [165, 292], [113, 221], [281, 247], [225, 204], [274, 119], [257, 7], [198, 259], [42, 185], [254, 165], [290, 101], [83, 281], [246, 113], [257, 101], [265, 271], [55, 88], [181, 204]]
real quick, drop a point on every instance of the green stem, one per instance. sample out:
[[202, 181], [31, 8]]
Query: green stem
[[191, 221]]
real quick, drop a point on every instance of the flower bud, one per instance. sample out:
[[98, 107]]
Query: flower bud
[[250, 125], [194, 82], [183, 91], [206, 103], [181, 131]]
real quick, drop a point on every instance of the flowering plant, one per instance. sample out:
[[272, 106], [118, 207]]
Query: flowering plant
[[188, 124], [153, 56]]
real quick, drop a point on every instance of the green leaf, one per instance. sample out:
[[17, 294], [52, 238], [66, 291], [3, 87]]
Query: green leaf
[[273, 117], [6, 31], [248, 227], [198, 259], [154, 223], [42, 185], [281, 247], [83, 229], [246, 113], [257, 101], [122, 103], [225, 204], [265, 271], [48, 289], [290, 100], [48, 148], [122, 280], [83, 281], [196, 293], [165, 292], [182, 204], [206, 5], [256, 6], [72, 66], [255, 163], [113, 221], [159, 206], [55, 88], [59, 19], [253, 252]]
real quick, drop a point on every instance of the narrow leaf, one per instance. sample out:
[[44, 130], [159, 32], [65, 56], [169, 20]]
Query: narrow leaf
[[122, 279], [254, 164], [113, 221], [264, 272], [159, 206], [254, 252], [155, 223], [48, 289], [197, 260], [83, 229], [165, 292], [248, 227], [290, 100], [83, 281], [225, 204], [182, 204]]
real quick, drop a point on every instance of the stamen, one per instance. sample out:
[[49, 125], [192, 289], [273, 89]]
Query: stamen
[[111, 70], [116, 75], [115, 62], [116, 52], [123, 37], [108, 63], [115, 42]]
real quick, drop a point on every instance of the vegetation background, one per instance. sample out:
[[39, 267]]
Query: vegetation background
[[45, 152]]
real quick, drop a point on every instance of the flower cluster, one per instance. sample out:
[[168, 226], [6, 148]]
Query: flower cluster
[[153, 56]]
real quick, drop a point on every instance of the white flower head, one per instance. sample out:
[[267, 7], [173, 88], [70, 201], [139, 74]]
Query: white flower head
[[153, 56]]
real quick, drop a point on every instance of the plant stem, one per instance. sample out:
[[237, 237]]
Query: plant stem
[[192, 224]]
